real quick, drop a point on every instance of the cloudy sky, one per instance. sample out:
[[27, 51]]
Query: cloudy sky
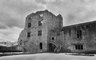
[[13, 13]]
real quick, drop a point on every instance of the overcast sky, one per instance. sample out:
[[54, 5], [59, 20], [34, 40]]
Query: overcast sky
[[13, 13]]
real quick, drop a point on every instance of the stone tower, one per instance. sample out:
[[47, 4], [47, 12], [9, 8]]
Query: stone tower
[[35, 36]]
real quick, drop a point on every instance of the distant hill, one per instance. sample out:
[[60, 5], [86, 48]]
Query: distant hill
[[7, 46], [7, 43]]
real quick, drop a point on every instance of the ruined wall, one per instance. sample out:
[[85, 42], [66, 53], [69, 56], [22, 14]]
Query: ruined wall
[[55, 34], [32, 43], [40, 21], [44, 32], [90, 37], [80, 37], [55, 42]]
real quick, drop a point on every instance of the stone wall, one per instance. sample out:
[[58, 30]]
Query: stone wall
[[44, 32], [48, 22], [81, 34]]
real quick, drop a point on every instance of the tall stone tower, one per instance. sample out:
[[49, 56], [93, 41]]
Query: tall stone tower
[[36, 34]]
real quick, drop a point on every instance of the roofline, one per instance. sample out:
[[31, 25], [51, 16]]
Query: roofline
[[85, 23]]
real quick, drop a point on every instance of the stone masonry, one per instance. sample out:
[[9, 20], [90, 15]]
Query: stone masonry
[[44, 32]]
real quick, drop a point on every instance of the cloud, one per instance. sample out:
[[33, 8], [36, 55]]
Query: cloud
[[12, 17], [3, 26], [10, 34], [73, 11], [45, 1], [13, 12], [22, 6]]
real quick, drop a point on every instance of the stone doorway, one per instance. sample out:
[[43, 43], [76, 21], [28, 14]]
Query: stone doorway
[[51, 47], [40, 45]]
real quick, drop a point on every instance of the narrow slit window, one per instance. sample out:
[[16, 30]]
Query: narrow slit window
[[39, 32], [28, 34], [69, 32], [79, 34], [29, 25], [39, 23], [20, 42], [29, 18]]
